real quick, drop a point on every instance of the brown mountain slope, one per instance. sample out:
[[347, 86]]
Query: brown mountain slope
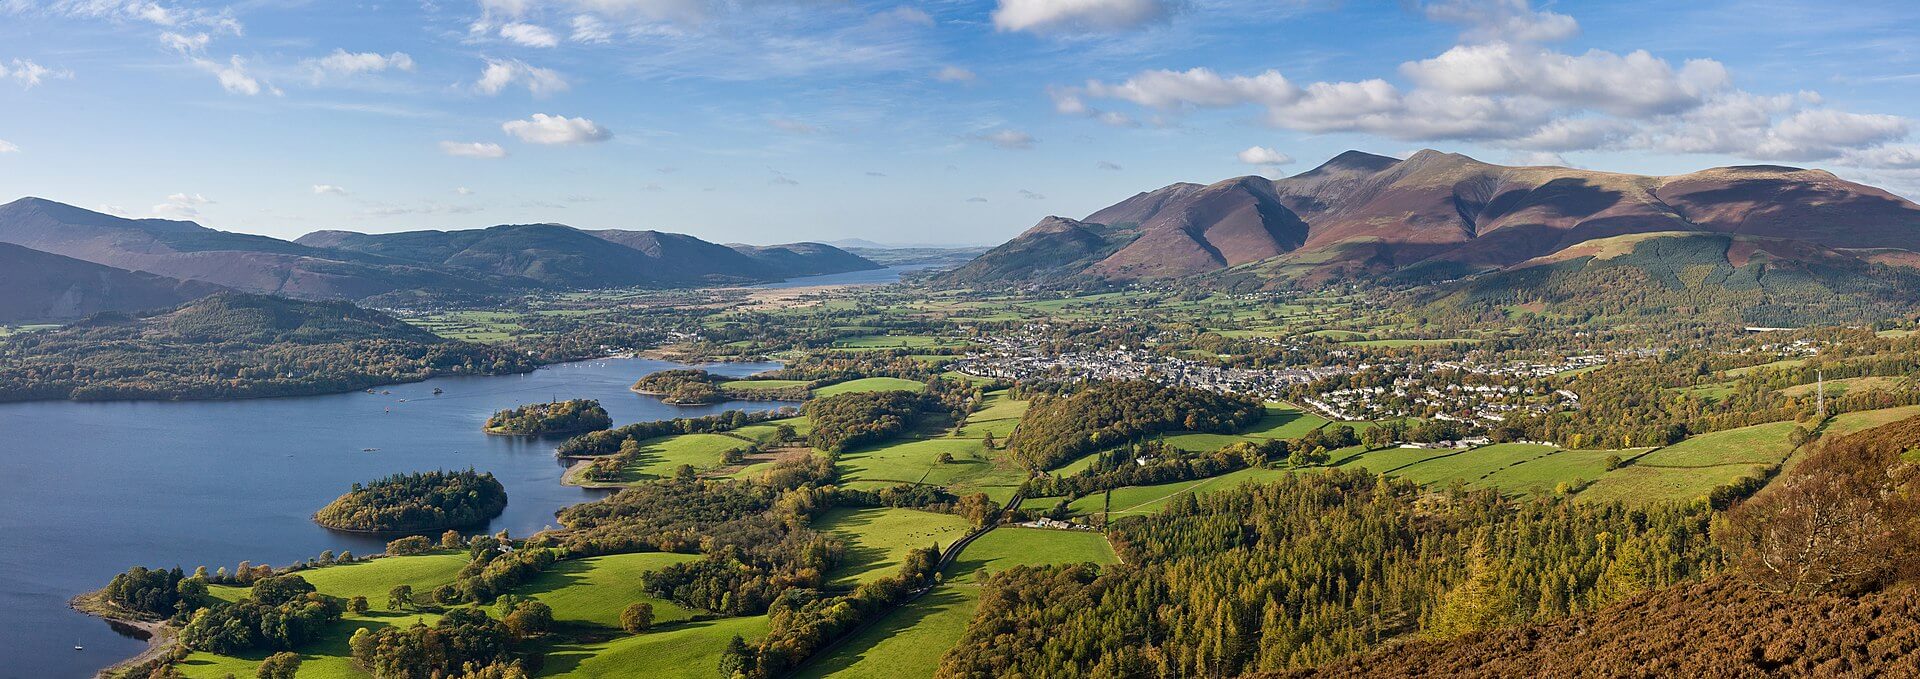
[[1442, 215], [188, 251], [41, 286], [1719, 628]]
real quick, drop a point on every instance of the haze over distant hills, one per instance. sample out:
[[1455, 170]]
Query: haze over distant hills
[[41, 286], [1438, 216], [348, 265]]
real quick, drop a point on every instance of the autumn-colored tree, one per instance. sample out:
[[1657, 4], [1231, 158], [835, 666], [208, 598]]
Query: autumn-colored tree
[[637, 618]]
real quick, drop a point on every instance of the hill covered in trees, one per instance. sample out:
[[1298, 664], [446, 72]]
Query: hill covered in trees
[[1315, 567], [417, 502], [559, 417], [235, 345], [1105, 414]]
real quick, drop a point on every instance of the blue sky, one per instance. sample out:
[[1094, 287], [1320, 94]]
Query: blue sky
[[944, 121]]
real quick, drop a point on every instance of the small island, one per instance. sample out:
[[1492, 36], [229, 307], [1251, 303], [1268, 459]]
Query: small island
[[689, 386], [417, 503], [542, 419]]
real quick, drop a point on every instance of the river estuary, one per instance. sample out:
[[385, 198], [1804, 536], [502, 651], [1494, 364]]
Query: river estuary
[[93, 488]]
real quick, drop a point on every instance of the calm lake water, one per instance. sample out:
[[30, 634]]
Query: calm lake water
[[870, 277], [93, 488]]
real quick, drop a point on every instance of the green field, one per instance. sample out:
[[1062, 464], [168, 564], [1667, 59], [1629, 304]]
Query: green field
[[869, 384], [684, 651], [595, 590], [1859, 421], [878, 539], [1640, 485], [329, 656], [908, 644], [1540, 476], [1149, 499], [659, 457], [1472, 466], [1282, 421], [1758, 444]]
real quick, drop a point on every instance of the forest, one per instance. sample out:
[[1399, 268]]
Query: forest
[[1057, 429], [235, 346], [1317, 566], [417, 502], [546, 419]]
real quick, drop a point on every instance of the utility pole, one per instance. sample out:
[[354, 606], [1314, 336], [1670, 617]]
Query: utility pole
[[1820, 391]]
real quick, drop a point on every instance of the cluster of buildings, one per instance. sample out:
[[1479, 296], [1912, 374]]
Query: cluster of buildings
[[1020, 356]]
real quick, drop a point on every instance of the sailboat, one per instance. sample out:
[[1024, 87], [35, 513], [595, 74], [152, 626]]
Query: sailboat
[[77, 646]]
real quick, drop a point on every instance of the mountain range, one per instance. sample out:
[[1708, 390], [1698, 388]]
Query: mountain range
[[1441, 216], [193, 260]]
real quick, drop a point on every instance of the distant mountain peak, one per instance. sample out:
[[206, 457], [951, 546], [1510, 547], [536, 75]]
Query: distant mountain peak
[[1440, 214]]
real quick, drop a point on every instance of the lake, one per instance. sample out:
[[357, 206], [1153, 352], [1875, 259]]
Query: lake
[[93, 488], [883, 276]]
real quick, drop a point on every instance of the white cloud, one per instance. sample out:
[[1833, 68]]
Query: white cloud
[[529, 35], [186, 43], [29, 73], [1012, 140], [145, 11], [473, 149], [907, 15], [501, 74], [1030, 195], [1261, 155], [546, 129], [328, 190], [1078, 16], [234, 77], [181, 206], [1538, 158], [1491, 20], [1199, 87], [679, 11], [8, 147], [464, 191], [342, 63], [1634, 84], [953, 74], [1524, 97], [590, 29], [1884, 158]]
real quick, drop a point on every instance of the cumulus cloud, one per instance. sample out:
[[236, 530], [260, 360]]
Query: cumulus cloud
[[181, 206], [1261, 155], [954, 74], [472, 149], [1633, 84], [503, 73], [1012, 140], [328, 190], [1527, 98], [1078, 16], [8, 147], [28, 73], [529, 35], [1514, 20], [341, 64], [547, 129]]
